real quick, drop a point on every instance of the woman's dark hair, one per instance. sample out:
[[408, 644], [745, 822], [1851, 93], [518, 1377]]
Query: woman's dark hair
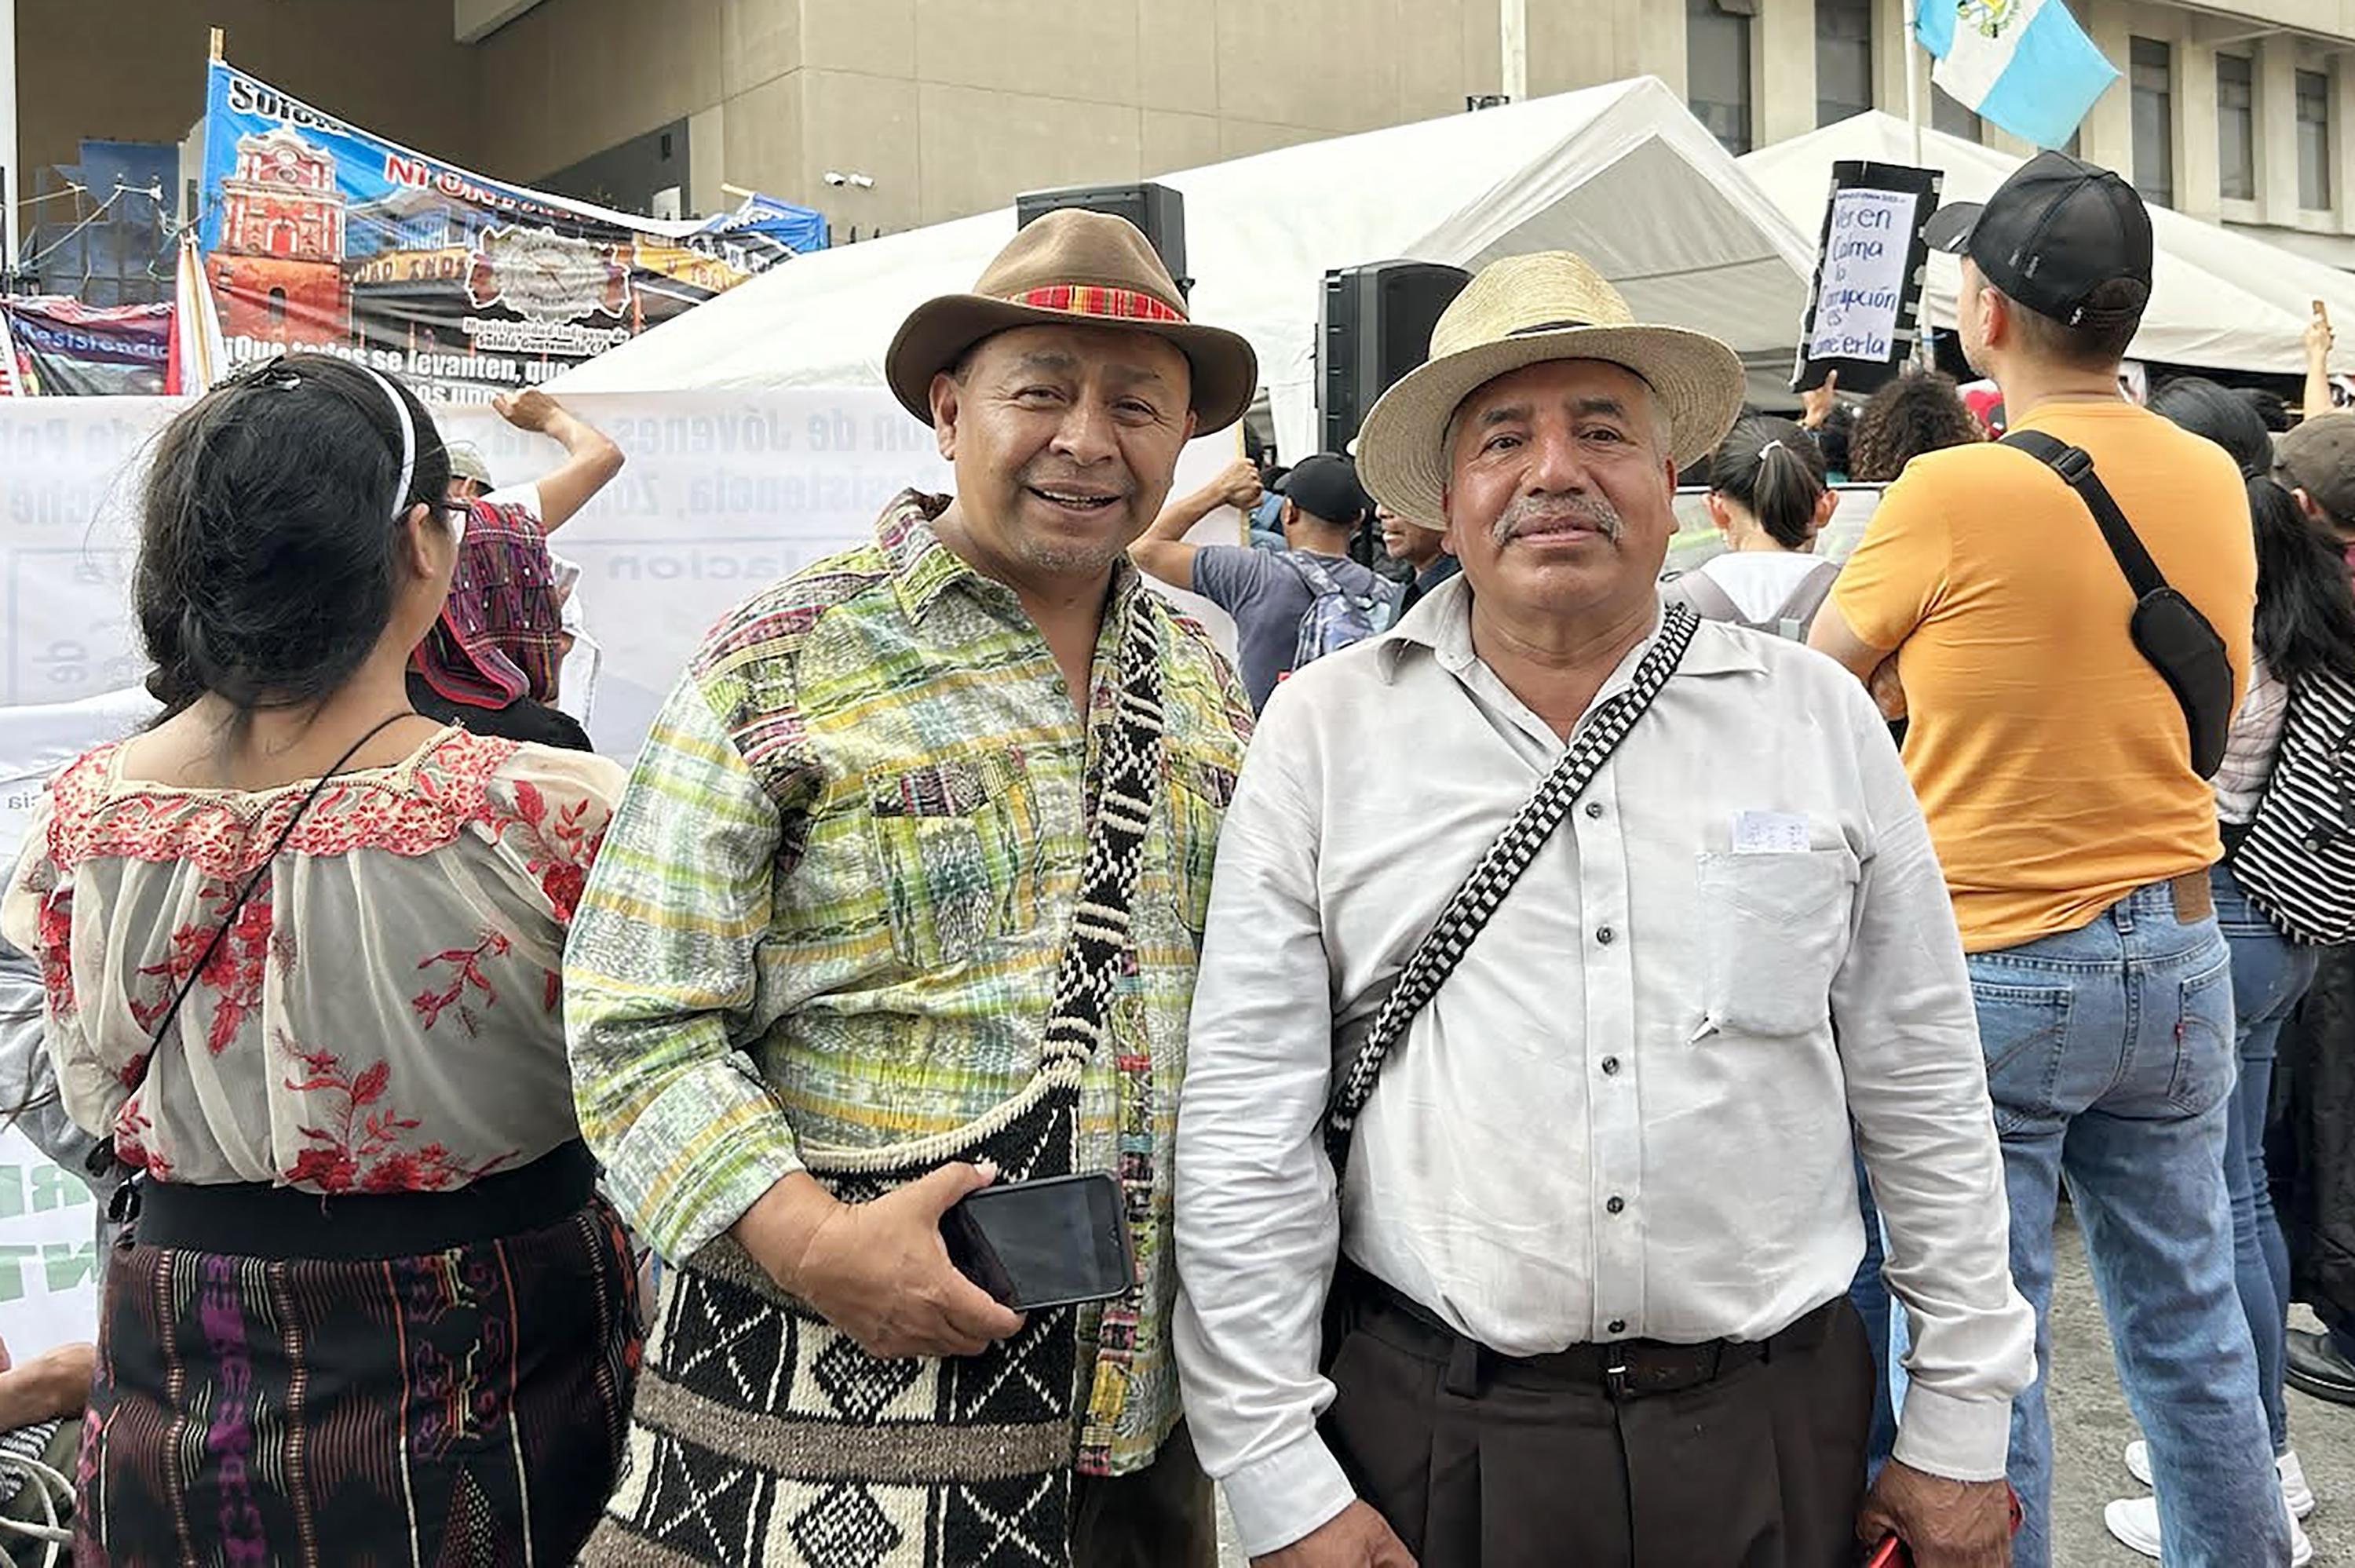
[[2305, 609], [1832, 436], [1919, 412], [269, 533], [2269, 406], [1773, 471]]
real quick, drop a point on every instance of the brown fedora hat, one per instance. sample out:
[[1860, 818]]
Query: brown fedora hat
[[1070, 268]]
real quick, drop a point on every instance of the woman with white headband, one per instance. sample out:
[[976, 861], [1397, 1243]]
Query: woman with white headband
[[300, 950], [1767, 497]]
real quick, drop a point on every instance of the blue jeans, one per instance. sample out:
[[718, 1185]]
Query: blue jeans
[[2270, 973], [1869, 1294], [2110, 1058]]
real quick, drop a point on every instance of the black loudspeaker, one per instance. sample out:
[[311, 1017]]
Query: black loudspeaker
[[1158, 210], [1374, 326]]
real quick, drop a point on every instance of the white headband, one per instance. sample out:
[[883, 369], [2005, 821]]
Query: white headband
[[408, 439]]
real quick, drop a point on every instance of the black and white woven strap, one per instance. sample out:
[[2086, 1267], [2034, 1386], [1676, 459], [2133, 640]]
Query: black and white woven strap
[[1092, 961], [1443, 947]]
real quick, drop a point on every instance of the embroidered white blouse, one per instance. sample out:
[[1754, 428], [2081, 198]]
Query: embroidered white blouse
[[383, 1014]]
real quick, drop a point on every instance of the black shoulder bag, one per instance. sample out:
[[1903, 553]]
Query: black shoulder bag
[[2167, 628]]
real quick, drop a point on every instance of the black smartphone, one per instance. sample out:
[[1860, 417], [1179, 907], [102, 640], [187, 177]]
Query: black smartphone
[[1055, 1242]]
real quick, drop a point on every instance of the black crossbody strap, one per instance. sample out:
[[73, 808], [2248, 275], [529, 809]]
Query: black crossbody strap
[[1499, 867], [2076, 470]]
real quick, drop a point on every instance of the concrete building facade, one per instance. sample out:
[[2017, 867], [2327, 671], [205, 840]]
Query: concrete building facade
[[889, 113]]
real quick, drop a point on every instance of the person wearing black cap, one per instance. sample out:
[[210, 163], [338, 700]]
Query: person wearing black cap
[[1270, 594], [2055, 766]]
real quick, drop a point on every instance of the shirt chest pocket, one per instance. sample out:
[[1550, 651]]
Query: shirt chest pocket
[[956, 849], [1775, 928]]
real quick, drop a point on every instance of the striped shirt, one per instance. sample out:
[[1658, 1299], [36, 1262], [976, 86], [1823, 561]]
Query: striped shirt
[[828, 911]]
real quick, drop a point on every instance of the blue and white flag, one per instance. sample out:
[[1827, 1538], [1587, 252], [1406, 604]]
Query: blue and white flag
[[2023, 64]]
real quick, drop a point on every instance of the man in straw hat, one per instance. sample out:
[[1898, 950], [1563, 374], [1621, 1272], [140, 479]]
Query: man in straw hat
[[904, 897], [1596, 1213]]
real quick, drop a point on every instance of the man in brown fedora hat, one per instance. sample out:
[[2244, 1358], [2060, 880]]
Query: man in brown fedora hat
[[904, 898], [1548, 1059]]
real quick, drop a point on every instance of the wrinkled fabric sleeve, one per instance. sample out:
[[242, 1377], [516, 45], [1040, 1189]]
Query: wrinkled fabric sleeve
[[661, 987], [1257, 1226], [1909, 1045]]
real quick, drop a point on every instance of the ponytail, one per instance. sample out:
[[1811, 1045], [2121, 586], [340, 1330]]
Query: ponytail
[[1773, 471]]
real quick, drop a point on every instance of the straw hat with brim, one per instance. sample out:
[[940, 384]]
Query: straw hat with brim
[[1522, 311], [1073, 267], [467, 462]]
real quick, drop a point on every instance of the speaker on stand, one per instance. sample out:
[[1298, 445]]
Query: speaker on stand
[[1373, 325], [1156, 209]]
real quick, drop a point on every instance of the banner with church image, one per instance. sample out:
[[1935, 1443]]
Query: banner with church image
[[320, 235]]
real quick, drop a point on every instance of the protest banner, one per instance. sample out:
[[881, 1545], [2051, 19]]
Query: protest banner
[[1864, 307], [721, 493], [318, 234], [68, 349]]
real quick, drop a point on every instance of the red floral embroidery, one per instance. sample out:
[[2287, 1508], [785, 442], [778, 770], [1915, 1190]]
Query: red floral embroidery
[[359, 1150], [412, 812], [56, 935], [131, 1130], [568, 848], [234, 971], [430, 1004]]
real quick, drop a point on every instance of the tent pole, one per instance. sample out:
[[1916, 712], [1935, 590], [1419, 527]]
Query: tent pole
[[1914, 79], [1513, 39]]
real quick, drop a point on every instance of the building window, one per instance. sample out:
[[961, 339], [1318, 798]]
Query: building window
[[278, 307], [2314, 141], [1948, 114], [1717, 69], [2153, 69], [1843, 60], [2236, 120]]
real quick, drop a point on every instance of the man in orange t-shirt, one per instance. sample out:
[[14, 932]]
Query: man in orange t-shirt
[[2054, 767]]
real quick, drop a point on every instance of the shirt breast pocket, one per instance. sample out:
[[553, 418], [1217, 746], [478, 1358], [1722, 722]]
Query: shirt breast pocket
[[1775, 928], [954, 843], [1199, 786]]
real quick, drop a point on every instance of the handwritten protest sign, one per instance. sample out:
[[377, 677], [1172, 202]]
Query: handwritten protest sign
[[1864, 309]]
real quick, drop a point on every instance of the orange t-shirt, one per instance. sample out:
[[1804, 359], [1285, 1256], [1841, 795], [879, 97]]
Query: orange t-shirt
[[2051, 761]]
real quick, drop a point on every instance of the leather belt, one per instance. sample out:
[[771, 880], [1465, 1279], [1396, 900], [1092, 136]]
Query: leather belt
[[2195, 900], [1622, 1369]]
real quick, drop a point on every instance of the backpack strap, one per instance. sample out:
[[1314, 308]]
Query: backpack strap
[[1498, 868], [1799, 610], [1697, 590]]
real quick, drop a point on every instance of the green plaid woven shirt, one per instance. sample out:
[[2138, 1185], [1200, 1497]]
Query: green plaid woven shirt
[[829, 908]]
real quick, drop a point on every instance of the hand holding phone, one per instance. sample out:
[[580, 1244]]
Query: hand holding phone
[[876, 1271], [1055, 1242]]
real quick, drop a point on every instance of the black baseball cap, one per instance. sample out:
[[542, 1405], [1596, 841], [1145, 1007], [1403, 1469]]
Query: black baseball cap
[[2056, 230], [1326, 486]]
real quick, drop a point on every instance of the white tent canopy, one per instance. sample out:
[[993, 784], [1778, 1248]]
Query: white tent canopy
[[2219, 299], [1623, 175]]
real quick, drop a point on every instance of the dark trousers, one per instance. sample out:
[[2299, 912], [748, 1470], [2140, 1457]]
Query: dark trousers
[[1482, 1461], [1160, 1516]]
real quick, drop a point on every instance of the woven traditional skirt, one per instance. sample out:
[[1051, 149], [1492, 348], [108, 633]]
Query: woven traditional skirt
[[463, 1402]]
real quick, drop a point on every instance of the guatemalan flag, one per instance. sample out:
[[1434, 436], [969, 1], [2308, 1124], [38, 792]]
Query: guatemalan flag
[[2024, 64]]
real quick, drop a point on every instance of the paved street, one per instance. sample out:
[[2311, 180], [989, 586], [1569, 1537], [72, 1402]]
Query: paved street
[[2091, 1428]]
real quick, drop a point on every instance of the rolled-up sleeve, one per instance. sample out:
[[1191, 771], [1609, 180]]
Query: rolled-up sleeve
[[1257, 1227], [1917, 1093], [661, 985]]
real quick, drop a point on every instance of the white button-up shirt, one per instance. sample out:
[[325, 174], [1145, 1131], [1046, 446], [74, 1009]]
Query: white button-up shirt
[[1627, 1113]]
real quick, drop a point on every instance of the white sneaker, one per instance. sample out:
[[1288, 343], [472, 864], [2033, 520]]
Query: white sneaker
[[2134, 1521], [2294, 1491]]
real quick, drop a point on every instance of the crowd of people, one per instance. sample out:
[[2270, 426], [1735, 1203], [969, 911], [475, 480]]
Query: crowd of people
[[1577, 1091]]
